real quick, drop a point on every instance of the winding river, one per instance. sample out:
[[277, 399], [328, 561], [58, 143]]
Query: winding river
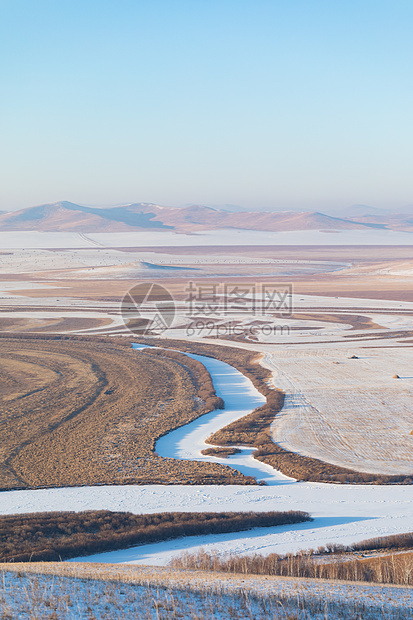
[[240, 398], [342, 513]]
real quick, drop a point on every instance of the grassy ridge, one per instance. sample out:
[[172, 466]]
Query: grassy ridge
[[69, 591], [63, 535]]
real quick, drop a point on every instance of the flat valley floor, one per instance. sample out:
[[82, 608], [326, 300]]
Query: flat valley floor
[[341, 349]]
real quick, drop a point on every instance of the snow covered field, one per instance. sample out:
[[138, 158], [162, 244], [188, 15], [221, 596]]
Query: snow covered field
[[74, 592], [350, 412], [343, 513], [28, 239], [32, 239], [256, 237], [96, 261]]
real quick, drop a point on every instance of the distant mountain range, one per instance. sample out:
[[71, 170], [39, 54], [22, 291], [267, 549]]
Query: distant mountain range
[[70, 217]]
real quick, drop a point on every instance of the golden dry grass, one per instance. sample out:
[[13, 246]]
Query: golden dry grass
[[81, 412]]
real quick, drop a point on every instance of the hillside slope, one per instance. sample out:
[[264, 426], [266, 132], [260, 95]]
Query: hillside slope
[[69, 217]]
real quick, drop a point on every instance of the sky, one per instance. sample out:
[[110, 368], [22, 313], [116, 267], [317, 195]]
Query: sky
[[274, 104]]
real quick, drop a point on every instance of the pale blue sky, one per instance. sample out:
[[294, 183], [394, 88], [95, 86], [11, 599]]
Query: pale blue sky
[[272, 103]]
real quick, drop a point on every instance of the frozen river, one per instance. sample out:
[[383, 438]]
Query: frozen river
[[342, 513]]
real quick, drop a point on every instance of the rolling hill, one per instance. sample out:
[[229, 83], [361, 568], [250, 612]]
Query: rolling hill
[[69, 217]]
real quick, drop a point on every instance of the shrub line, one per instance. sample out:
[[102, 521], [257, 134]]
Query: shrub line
[[48, 537]]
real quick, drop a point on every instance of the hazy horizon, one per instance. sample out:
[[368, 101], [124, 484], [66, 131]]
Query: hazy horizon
[[344, 211]]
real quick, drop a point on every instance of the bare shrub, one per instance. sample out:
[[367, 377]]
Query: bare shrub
[[222, 453], [387, 569], [52, 536]]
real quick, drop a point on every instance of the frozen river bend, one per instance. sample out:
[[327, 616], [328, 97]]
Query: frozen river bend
[[240, 398], [343, 513]]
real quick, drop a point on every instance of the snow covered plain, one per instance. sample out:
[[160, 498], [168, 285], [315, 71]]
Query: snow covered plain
[[350, 412], [32, 239], [95, 259], [255, 237], [342, 513]]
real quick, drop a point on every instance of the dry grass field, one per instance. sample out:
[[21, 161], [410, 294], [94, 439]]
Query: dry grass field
[[82, 412], [32, 323]]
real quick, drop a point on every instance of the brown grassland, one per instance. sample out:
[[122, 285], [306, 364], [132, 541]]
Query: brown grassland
[[85, 411], [54, 536], [354, 320]]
